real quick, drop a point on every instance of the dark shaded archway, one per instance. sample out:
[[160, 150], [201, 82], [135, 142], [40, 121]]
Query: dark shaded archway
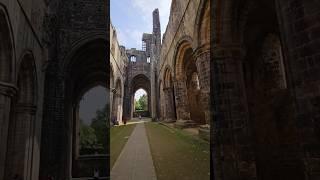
[[187, 90], [140, 82], [21, 136], [117, 101], [269, 103], [84, 68], [7, 88], [169, 111], [87, 69]]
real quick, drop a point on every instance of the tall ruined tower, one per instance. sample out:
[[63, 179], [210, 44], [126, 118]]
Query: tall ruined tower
[[155, 58], [156, 33]]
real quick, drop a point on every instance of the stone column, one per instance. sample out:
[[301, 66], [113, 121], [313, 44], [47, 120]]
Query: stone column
[[181, 99], [233, 156], [169, 111], [7, 92], [202, 56], [21, 142], [117, 105]]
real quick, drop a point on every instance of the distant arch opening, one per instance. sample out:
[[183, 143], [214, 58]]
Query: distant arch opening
[[140, 85], [93, 122], [141, 103]]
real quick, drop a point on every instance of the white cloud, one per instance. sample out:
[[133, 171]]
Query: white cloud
[[131, 35], [130, 38], [147, 7]]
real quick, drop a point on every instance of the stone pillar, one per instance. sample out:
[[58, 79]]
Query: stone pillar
[[202, 56], [117, 106], [169, 111], [76, 134], [21, 142], [181, 99], [233, 156], [7, 92]]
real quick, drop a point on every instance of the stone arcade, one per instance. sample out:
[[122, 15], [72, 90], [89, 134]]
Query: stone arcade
[[263, 77]]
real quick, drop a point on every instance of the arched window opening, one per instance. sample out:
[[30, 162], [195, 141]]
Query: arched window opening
[[133, 59], [195, 81], [144, 46], [273, 61], [141, 103], [93, 122]]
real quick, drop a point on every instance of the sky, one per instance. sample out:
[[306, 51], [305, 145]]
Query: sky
[[91, 102], [132, 18], [139, 93]]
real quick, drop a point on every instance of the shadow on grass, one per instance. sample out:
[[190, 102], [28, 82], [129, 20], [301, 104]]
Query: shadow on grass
[[178, 155], [119, 136]]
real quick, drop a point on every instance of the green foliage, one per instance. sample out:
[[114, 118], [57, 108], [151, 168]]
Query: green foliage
[[94, 138], [142, 103], [137, 105], [88, 139], [99, 124]]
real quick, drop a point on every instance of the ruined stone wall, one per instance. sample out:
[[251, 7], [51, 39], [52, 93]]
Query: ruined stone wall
[[138, 76], [300, 32], [184, 27], [25, 29], [118, 62], [75, 27], [249, 128]]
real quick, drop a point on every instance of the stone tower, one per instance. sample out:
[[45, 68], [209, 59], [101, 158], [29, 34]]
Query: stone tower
[[155, 57]]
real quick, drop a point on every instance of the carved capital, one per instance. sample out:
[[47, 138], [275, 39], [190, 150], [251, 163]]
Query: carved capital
[[230, 51], [8, 89], [26, 108], [204, 49]]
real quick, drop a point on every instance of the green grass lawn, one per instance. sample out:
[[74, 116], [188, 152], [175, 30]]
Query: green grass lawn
[[119, 136], [177, 155]]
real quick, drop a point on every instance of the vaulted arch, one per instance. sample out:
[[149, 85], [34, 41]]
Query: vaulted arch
[[169, 111], [21, 137], [8, 89]]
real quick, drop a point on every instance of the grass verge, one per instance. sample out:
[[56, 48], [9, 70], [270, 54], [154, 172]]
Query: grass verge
[[119, 136], [178, 155]]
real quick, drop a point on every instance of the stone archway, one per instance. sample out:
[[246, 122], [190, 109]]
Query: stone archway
[[7, 88], [270, 104], [169, 110], [117, 101], [21, 136], [85, 67], [140, 82], [187, 90], [202, 55]]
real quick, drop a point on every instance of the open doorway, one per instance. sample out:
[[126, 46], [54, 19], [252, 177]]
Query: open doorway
[[141, 104], [93, 122]]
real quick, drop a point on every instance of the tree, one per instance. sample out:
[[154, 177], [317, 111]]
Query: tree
[[137, 105], [143, 101], [88, 138], [100, 125]]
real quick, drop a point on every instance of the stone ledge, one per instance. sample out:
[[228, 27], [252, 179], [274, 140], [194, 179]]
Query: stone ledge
[[204, 132], [182, 124]]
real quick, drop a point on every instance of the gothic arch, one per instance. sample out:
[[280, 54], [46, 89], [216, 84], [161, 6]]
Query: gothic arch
[[8, 89], [168, 77], [184, 46], [112, 76], [74, 48], [22, 125], [7, 56], [140, 81], [117, 96], [202, 24], [169, 109], [265, 85]]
